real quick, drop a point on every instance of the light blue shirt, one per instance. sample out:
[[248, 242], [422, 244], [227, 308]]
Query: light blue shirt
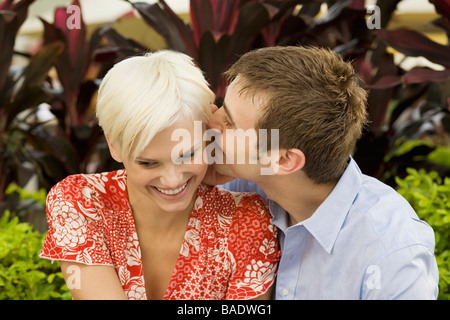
[[364, 242]]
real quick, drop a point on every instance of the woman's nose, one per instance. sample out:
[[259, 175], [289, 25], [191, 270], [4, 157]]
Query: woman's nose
[[173, 177]]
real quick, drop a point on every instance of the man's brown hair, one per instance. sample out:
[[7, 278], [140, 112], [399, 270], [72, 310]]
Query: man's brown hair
[[313, 97]]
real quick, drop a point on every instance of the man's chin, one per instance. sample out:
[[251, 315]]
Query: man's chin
[[224, 169], [224, 173]]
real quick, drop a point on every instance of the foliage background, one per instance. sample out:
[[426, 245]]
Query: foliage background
[[409, 109]]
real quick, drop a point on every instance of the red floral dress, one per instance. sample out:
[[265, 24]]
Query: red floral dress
[[230, 249]]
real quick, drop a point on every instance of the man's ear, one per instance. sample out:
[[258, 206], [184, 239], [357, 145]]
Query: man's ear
[[290, 161], [115, 154]]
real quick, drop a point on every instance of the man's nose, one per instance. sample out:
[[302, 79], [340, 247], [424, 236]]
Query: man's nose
[[216, 121]]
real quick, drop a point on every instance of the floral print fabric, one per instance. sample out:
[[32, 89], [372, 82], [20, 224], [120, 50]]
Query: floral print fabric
[[230, 249]]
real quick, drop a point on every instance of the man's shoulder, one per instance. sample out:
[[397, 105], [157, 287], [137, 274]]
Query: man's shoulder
[[391, 217]]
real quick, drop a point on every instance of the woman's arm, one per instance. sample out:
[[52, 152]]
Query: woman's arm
[[92, 282]]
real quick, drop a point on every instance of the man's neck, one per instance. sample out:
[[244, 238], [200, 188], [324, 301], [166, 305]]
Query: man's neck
[[296, 194]]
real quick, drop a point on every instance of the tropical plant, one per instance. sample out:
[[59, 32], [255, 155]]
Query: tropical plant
[[406, 105], [78, 141], [23, 275], [21, 92], [218, 33], [70, 146]]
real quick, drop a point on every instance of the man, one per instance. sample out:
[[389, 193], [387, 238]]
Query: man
[[343, 235]]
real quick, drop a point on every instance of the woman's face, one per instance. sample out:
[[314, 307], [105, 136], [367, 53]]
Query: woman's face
[[155, 175]]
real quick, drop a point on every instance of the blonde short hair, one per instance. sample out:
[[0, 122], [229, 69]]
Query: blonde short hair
[[143, 95]]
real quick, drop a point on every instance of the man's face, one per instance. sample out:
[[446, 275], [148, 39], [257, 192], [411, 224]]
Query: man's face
[[236, 119]]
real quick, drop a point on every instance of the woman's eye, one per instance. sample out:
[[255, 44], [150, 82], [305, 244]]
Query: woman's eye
[[146, 164]]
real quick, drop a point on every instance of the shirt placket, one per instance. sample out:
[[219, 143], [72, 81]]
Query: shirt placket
[[292, 246]]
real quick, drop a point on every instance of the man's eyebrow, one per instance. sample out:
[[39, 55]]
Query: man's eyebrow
[[228, 114]]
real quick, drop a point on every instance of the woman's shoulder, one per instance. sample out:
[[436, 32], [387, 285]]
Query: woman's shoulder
[[96, 181], [103, 190], [81, 217]]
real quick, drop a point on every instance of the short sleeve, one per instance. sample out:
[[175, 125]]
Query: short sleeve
[[254, 245], [76, 230]]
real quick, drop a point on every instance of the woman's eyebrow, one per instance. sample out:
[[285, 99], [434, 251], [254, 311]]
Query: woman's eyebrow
[[228, 114], [145, 159]]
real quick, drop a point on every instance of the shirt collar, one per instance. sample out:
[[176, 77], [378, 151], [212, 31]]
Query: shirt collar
[[326, 222]]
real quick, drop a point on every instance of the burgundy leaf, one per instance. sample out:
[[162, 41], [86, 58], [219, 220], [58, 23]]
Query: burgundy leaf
[[252, 18], [385, 82], [76, 37], [30, 93], [379, 99], [5, 5], [212, 59], [219, 17], [443, 24], [422, 75], [163, 20], [414, 44], [442, 7], [12, 17], [282, 21], [387, 9], [7, 39], [357, 4], [364, 69], [74, 61], [201, 15], [415, 75]]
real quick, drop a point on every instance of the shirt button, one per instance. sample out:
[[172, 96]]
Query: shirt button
[[284, 292]]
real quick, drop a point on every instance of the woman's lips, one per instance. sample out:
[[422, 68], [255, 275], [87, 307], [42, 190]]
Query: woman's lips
[[173, 194], [173, 191]]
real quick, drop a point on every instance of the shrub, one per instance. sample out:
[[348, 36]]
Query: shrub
[[23, 274], [429, 195]]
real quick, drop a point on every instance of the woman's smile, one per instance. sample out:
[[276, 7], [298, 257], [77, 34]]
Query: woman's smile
[[173, 194]]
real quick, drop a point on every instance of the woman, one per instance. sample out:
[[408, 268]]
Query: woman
[[153, 230]]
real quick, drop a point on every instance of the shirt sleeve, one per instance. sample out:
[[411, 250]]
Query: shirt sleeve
[[76, 229], [254, 245], [410, 273]]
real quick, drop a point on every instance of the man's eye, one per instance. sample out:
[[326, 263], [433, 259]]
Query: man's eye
[[188, 155], [227, 122]]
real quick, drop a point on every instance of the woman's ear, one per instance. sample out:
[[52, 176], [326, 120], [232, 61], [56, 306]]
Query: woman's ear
[[115, 154], [290, 161]]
